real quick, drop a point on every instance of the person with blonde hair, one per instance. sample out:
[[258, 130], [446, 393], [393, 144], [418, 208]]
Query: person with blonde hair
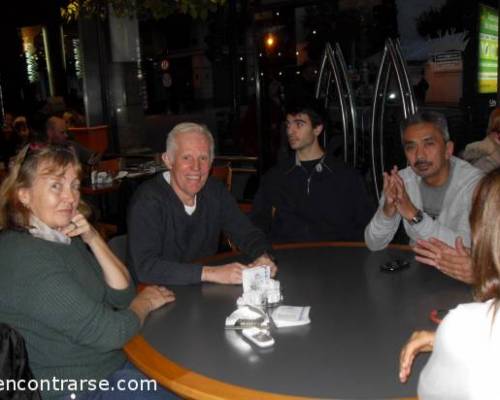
[[466, 347], [62, 288], [485, 154], [177, 217]]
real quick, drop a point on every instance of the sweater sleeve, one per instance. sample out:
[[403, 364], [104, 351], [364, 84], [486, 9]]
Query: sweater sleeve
[[429, 227], [120, 298], [117, 298], [59, 301], [238, 227], [455, 220], [146, 233], [381, 230]]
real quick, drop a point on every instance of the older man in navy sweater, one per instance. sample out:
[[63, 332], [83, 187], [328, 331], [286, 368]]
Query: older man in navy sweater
[[177, 217]]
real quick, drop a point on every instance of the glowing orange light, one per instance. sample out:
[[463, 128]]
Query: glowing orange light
[[270, 40]]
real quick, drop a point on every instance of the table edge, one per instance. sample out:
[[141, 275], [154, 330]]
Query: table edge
[[305, 245]]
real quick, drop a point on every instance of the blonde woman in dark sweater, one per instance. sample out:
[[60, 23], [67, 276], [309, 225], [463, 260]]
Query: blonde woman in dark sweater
[[62, 288]]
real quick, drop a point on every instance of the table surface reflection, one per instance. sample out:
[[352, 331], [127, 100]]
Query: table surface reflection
[[360, 318]]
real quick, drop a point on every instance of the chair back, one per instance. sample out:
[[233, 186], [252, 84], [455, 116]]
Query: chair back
[[112, 165], [14, 363], [118, 245], [223, 173], [94, 138]]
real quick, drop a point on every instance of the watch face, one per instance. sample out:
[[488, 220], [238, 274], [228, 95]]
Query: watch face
[[419, 216]]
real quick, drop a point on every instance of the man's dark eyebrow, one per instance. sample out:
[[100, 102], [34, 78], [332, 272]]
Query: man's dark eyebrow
[[298, 120]]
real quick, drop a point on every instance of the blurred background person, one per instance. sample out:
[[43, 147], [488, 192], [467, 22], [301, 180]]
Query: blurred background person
[[73, 119], [56, 132], [22, 131], [485, 154], [6, 136]]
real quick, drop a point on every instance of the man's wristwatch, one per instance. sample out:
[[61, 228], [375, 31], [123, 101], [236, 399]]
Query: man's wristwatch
[[418, 217]]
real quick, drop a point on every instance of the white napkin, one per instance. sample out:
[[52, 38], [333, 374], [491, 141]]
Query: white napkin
[[284, 316]]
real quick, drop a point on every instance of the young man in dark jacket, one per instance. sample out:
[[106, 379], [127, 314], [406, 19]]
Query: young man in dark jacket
[[309, 196]]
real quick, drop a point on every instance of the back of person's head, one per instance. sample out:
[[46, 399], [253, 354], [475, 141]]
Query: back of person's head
[[311, 108], [8, 119], [20, 120], [494, 121], [485, 229], [183, 128], [427, 117], [21, 126], [52, 121], [31, 161], [55, 129]]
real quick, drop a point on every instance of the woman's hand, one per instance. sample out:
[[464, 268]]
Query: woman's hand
[[79, 226], [149, 299], [452, 261], [420, 341]]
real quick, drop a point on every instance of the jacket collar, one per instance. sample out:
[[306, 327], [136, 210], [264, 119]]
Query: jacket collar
[[322, 165]]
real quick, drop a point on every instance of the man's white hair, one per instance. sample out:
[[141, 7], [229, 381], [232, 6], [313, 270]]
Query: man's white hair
[[185, 127]]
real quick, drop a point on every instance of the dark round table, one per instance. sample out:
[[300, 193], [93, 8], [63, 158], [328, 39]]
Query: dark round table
[[360, 318]]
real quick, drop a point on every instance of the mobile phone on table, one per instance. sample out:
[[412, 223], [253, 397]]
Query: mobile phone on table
[[394, 265]]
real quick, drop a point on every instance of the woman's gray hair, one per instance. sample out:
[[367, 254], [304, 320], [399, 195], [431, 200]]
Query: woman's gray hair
[[185, 127], [427, 117]]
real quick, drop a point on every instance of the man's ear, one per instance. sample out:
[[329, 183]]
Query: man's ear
[[318, 129], [166, 160], [450, 146]]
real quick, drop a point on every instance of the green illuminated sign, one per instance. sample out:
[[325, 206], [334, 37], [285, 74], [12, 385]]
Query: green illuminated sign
[[488, 49]]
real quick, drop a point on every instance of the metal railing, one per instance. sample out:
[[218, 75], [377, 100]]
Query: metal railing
[[333, 68], [392, 61]]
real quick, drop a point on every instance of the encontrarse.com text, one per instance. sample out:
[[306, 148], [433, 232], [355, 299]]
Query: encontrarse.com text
[[77, 385]]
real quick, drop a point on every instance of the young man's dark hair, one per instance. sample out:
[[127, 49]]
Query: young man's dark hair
[[312, 108]]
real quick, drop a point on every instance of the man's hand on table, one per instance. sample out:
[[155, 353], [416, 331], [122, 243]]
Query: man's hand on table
[[229, 274], [264, 259], [420, 341], [455, 261]]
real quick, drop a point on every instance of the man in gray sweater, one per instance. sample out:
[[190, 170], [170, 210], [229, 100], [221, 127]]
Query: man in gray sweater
[[433, 195]]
